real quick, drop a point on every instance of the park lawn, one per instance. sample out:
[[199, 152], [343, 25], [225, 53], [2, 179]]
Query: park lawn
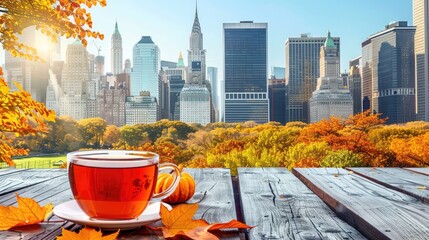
[[40, 162]]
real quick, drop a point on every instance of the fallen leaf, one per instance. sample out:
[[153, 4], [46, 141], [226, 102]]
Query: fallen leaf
[[179, 223], [85, 234], [28, 212], [179, 219], [231, 224], [421, 187]]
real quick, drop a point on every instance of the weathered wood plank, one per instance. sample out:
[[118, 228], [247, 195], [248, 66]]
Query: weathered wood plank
[[376, 211], [4, 171], [17, 180], [44, 190], [213, 193], [411, 183], [215, 197], [281, 207], [424, 171]]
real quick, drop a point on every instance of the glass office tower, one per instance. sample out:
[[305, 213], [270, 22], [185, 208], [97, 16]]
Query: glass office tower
[[388, 77], [146, 65], [245, 72], [421, 48]]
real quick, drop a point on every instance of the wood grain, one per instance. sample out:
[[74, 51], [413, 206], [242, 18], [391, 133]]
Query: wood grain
[[408, 182], [213, 193], [376, 211], [424, 171], [10, 183], [281, 207], [215, 197]]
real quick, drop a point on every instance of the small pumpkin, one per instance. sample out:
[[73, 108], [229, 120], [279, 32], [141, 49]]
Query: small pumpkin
[[184, 191]]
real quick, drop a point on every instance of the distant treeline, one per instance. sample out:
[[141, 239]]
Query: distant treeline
[[361, 140]]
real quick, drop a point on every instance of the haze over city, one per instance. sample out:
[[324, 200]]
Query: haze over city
[[169, 24]]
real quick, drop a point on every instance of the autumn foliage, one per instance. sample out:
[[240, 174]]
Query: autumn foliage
[[358, 141], [52, 17], [20, 115]]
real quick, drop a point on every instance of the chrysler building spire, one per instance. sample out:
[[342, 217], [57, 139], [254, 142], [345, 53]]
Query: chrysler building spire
[[116, 51], [196, 53]]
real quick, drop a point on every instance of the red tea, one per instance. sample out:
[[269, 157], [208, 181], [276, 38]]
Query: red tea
[[113, 193]]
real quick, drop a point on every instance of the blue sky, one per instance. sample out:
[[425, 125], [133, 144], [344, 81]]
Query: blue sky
[[169, 23]]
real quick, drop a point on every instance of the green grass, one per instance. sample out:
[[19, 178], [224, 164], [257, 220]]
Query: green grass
[[37, 162]]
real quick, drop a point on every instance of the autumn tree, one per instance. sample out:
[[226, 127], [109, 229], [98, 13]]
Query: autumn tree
[[350, 134], [92, 131], [111, 136], [411, 152], [20, 114], [133, 136]]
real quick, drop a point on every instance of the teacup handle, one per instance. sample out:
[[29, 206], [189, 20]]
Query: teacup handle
[[173, 186]]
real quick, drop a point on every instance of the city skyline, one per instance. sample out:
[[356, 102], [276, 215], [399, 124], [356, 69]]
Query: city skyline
[[161, 20]]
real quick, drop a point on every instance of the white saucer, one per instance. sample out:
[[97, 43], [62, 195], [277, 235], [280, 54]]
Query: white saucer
[[72, 212]]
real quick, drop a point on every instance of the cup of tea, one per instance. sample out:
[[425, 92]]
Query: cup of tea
[[114, 184]]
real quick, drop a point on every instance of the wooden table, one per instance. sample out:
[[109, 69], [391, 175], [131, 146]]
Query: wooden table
[[313, 203]]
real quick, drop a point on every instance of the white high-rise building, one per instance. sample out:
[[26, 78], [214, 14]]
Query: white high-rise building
[[116, 52], [195, 104], [74, 81], [195, 101], [127, 66], [141, 109], [330, 98]]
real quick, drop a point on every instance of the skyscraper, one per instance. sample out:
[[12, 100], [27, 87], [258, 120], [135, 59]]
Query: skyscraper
[[215, 89], [421, 49], [195, 101], [355, 86], [277, 72], [331, 97], [277, 96], [116, 51], [245, 72], [146, 65], [302, 71], [196, 54], [74, 80], [141, 109], [388, 77], [176, 81], [127, 66], [33, 76], [110, 104]]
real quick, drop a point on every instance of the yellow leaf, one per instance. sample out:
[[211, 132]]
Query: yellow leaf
[[179, 219], [86, 234], [179, 223], [422, 187], [28, 212]]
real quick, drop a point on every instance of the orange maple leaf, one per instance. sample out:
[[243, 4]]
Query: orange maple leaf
[[28, 212], [179, 223], [85, 234]]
